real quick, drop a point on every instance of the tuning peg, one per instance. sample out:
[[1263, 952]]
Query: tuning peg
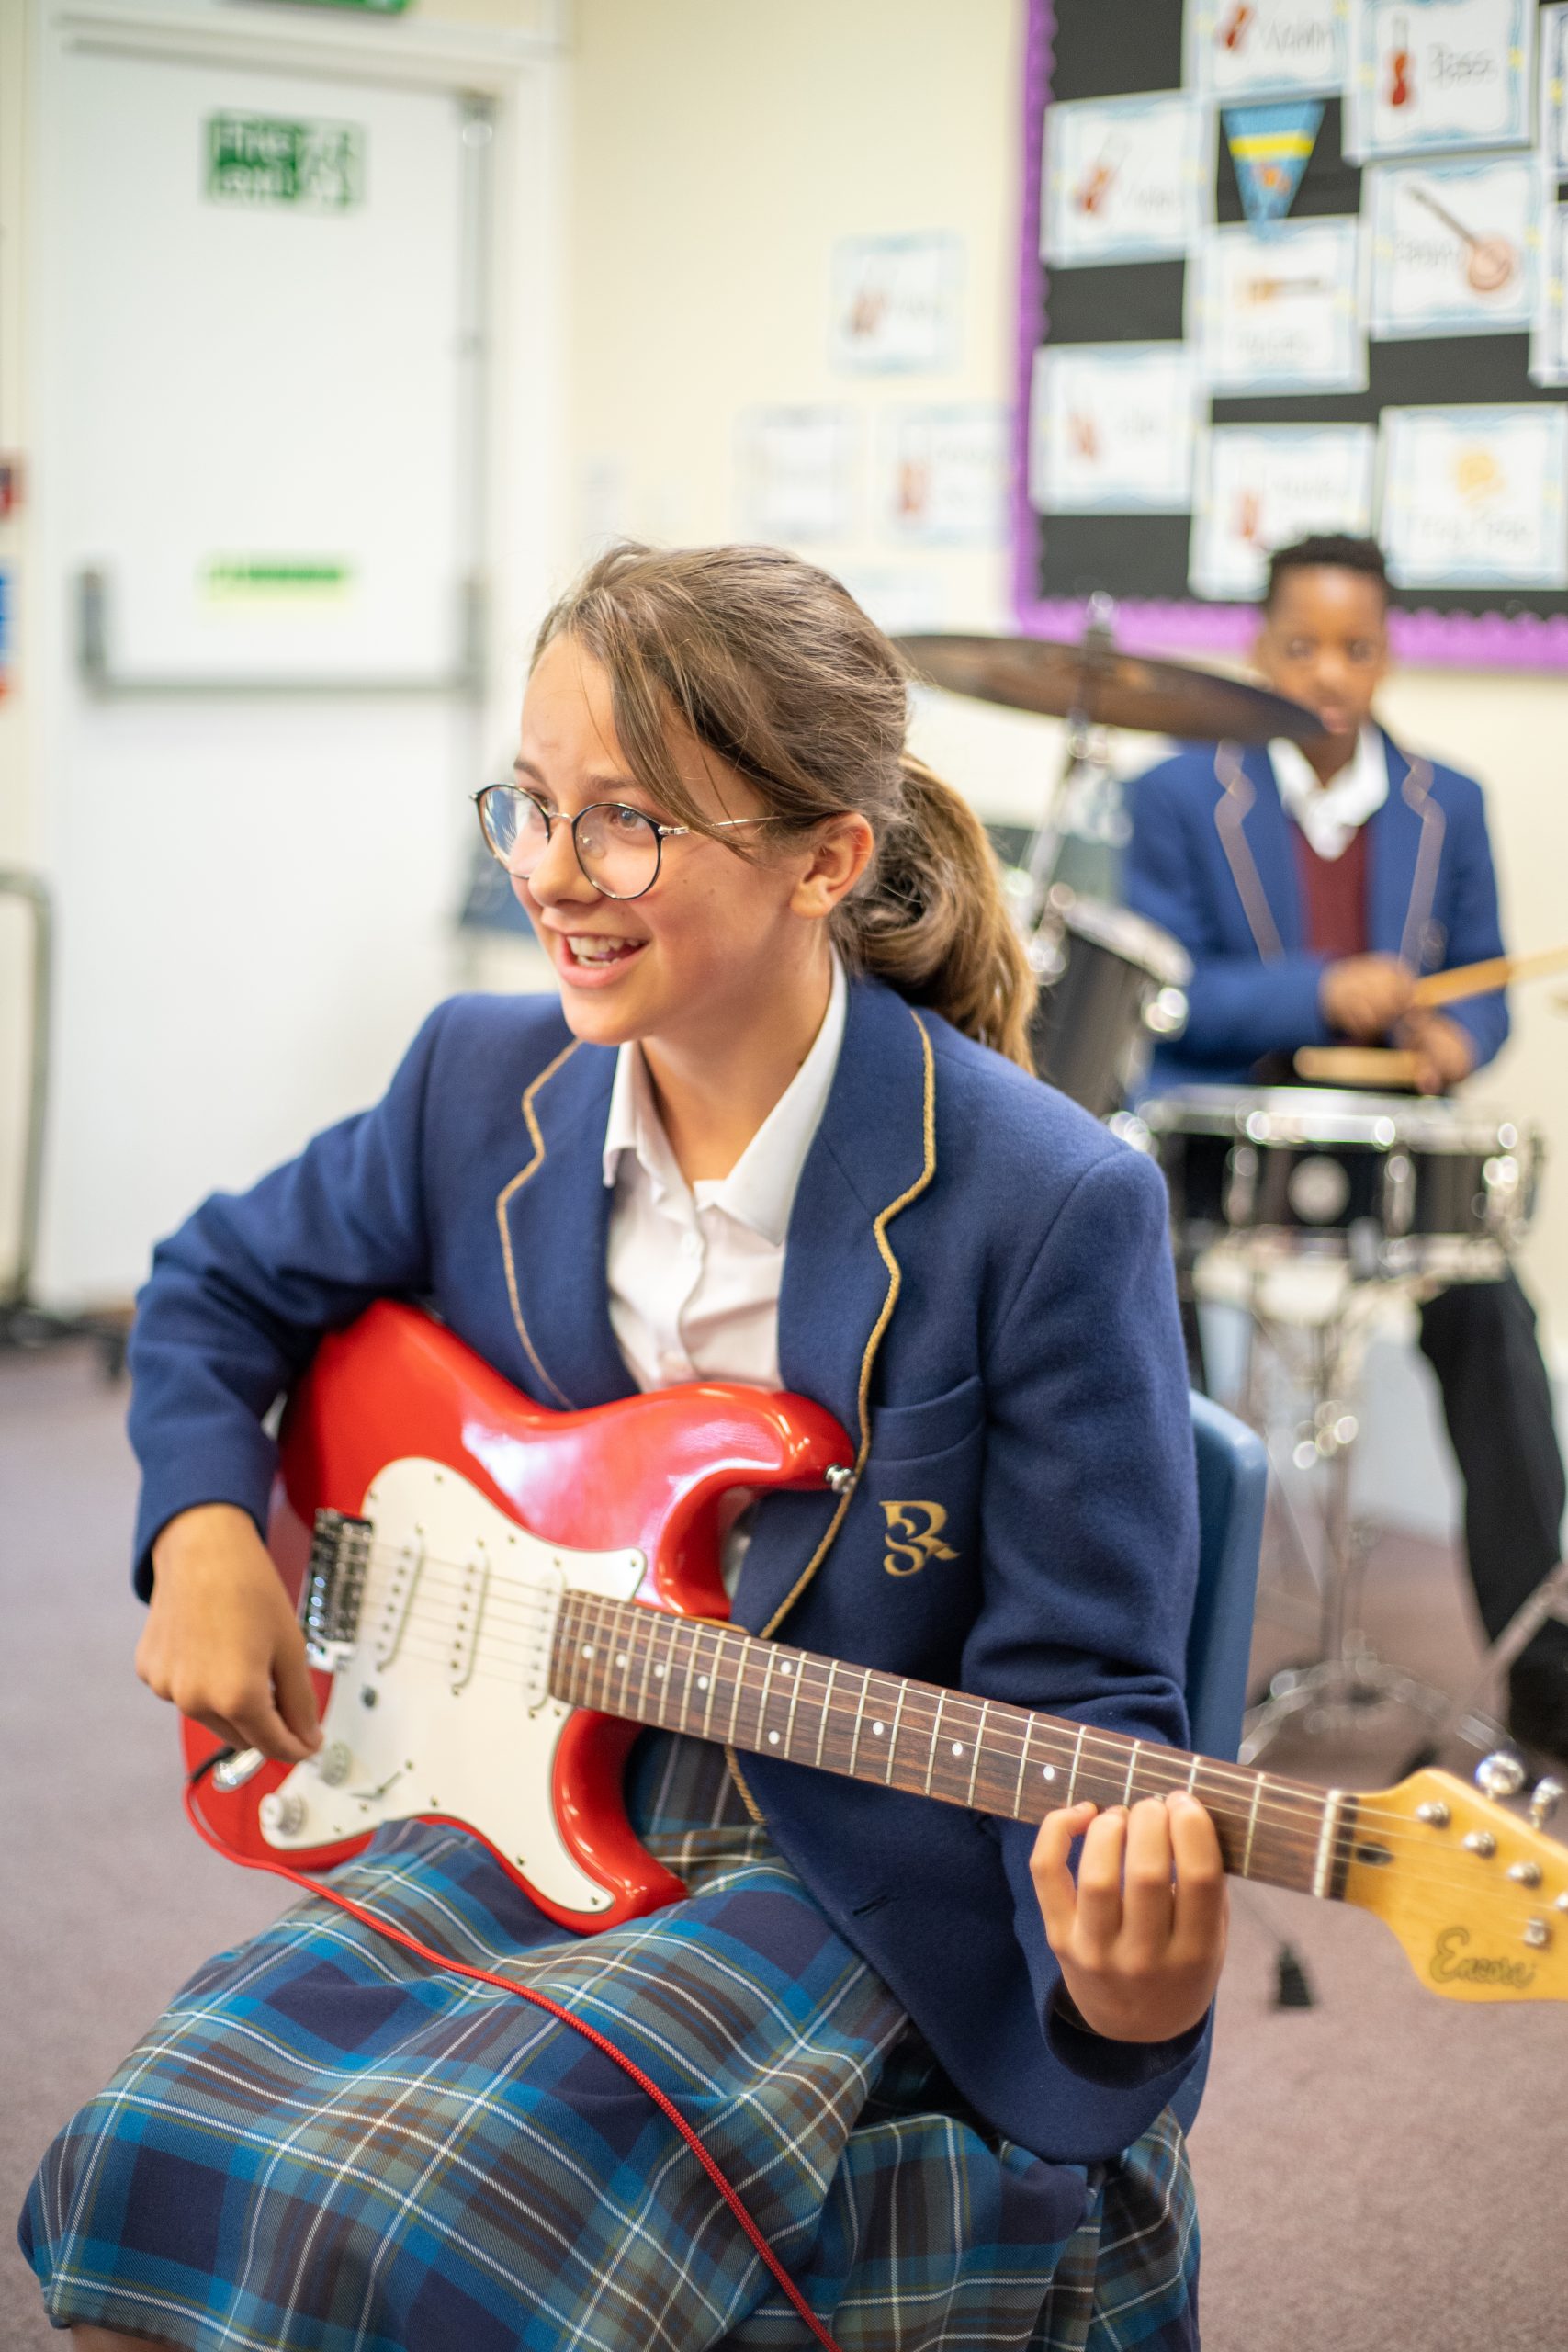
[[1500, 1775], [1544, 1800]]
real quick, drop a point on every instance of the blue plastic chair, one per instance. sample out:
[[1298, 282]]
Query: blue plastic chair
[[1233, 1472]]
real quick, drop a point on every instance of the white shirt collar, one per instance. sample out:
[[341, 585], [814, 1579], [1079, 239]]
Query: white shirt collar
[[1330, 814], [759, 1190]]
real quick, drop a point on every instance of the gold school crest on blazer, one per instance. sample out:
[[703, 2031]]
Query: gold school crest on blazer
[[914, 1536]]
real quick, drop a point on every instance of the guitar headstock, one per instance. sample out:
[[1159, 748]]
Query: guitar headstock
[[1477, 1896]]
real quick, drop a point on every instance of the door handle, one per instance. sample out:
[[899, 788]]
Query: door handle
[[465, 680]]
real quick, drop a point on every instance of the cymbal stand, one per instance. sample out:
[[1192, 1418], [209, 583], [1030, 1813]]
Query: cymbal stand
[[1085, 809], [1346, 1679]]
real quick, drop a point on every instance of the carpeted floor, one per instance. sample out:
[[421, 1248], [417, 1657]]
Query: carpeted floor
[[1386, 2172]]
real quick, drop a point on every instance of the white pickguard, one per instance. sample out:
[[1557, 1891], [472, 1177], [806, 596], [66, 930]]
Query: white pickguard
[[443, 1705]]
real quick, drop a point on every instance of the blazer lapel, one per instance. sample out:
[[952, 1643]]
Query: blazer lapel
[[553, 1215], [1403, 851], [1250, 822], [873, 1153]]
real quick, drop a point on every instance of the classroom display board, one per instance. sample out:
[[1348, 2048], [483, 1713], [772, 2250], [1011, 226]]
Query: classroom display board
[[1295, 265]]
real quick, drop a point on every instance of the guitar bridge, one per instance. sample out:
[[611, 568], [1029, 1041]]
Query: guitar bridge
[[333, 1588]]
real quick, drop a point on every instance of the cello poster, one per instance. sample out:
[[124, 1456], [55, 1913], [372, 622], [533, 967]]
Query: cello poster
[[1431, 74]]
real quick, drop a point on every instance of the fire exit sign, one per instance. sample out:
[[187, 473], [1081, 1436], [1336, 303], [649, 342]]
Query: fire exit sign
[[257, 159]]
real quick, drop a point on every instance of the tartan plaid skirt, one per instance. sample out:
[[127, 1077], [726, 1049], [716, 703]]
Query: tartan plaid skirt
[[324, 2145]]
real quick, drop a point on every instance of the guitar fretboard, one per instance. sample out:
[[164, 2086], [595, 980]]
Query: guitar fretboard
[[713, 1682]]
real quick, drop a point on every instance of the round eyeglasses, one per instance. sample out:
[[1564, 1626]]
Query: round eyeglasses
[[618, 849]]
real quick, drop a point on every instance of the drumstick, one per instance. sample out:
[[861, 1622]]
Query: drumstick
[[1356, 1065], [1474, 979]]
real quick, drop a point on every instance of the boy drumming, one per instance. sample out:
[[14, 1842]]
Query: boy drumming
[[1311, 886]]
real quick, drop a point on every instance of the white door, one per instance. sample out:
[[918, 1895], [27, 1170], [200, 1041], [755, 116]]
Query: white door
[[265, 505]]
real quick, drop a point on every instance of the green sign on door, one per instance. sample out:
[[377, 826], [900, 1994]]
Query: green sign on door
[[257, 159]]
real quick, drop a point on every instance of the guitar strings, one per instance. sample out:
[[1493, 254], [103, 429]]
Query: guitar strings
[[1274, 1807], [1451, 1882], [999, 1737]]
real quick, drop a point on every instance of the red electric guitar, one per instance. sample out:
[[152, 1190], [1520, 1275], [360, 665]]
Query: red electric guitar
[[497, 1596]]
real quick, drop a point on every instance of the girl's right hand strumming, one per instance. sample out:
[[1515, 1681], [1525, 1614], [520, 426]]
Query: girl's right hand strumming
[[221, 1641]]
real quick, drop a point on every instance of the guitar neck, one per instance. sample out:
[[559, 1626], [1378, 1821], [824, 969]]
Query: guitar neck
[[713, 1681]]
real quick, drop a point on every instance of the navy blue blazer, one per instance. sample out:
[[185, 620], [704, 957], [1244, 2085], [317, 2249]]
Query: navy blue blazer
[[1211, 859], [976, 1282]]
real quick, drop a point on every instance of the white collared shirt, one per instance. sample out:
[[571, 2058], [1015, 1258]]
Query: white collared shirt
[[694, 1270], [1331, 814]]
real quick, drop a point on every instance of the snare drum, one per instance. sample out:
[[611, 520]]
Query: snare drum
[[1109, 984], [1398, 1184]]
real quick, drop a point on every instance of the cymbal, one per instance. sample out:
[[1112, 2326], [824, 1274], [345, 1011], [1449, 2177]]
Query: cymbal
[[1108, 688]]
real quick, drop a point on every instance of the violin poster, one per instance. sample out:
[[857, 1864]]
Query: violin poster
[[1278, 311], [1266, 47], [1476, 495], [946, 478], [1259, 486], [1431, 74], [1456, 247], [895, 305], [1125, 179], [1111, 428]]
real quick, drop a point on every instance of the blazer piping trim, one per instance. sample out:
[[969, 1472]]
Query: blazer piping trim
[[502, 1202], [868, 1360], [1416, 791], [1230, 814]]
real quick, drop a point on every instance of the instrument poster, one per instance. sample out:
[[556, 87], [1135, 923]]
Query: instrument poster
[[1259, 486], [1278, 311], [797, 473], [946, 474], [895, 305], [1111, 428], [1553, 81], [1456, 247], [1125, 179], [1548, 338], [1380, 235], [1266, 49], [1433, 74], [1476, 495]]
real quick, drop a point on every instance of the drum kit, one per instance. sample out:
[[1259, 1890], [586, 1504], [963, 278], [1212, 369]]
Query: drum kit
[[1314, 1208]]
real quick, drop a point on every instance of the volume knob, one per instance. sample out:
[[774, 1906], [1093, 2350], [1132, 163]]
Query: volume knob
[[333, 1762], [281, 1816]]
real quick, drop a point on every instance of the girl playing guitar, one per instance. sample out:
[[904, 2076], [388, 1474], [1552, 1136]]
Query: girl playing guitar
[[774, 1130]]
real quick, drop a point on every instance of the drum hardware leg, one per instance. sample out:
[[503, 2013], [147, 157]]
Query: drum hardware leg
[[1347, 1679], [1465, 1718]]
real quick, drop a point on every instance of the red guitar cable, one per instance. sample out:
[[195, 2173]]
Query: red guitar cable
[[645, 2083]]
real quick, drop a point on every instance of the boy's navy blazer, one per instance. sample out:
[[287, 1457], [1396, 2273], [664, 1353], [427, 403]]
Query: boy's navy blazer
[[1212, 860], [977, 1282]]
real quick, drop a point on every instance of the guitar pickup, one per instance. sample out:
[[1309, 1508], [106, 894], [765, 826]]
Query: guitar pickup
[[333, 1587]]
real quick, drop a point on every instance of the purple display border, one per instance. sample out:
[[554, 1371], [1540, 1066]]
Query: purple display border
[[1479, 640]]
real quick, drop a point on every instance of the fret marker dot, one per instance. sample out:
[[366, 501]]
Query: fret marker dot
[[587, 1649], [657, 1672], [878, 1729], [772, 1739], [958, 1747], [702, 1682], [786, 1669], [620, 1657], [1048, 1772]]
